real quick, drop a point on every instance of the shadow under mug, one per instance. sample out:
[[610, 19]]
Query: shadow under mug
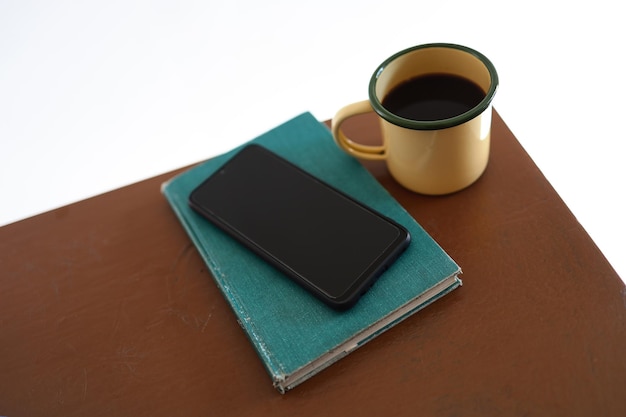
[[429, 157]]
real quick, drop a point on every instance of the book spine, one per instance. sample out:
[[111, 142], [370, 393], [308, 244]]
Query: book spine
[[243, 318]]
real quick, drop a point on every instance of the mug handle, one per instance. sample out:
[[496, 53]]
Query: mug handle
[[353, 148]]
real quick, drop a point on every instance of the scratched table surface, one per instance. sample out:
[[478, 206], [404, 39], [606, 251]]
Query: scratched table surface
[[107, 309]]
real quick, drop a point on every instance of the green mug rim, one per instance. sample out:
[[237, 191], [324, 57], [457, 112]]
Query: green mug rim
[[433, 124]]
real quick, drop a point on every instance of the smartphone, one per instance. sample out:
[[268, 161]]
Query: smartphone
[[329, 243]]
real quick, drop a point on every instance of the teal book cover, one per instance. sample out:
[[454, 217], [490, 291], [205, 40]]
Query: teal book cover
[[295, 334]]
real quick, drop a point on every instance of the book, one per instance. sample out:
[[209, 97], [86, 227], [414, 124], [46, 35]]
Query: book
[[296, 335]]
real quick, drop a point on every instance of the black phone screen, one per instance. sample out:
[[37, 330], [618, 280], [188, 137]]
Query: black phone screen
[[325, 240]]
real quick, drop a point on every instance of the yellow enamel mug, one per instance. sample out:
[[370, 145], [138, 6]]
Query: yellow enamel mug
[[433, 157]]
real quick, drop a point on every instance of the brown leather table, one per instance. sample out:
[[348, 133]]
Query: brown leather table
[[107, 309]]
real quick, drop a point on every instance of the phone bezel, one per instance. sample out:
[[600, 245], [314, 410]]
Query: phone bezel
[[353, 292]]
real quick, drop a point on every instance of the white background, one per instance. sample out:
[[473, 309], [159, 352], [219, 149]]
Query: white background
[[97, 95]]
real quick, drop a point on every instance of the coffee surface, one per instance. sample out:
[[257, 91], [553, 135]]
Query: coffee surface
[[433, 97]]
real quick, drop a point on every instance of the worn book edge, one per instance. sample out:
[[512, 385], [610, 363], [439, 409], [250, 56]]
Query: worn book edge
[[286, 382]]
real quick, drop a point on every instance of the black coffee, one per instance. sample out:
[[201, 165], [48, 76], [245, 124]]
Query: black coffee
[[433, 97]]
